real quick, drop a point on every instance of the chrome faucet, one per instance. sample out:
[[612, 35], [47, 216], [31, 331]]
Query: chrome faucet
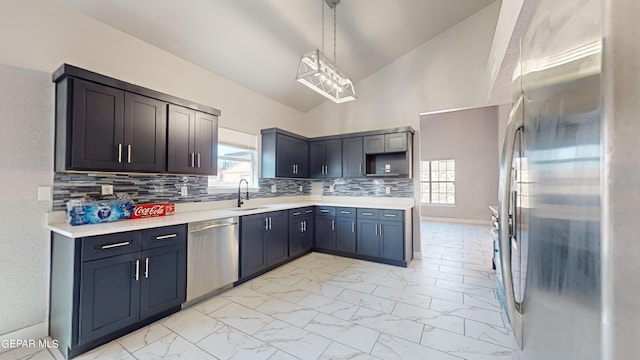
[[240, 202]]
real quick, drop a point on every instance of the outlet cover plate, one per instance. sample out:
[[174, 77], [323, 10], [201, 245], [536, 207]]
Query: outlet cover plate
[[107, 189]]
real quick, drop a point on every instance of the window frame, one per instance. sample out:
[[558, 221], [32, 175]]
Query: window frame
[[213, 188], [430, 182]]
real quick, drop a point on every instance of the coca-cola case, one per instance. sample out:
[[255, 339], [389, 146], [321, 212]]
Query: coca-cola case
[[152, 210]]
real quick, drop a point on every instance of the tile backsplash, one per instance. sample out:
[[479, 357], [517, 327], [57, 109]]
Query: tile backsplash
[[166, 188]]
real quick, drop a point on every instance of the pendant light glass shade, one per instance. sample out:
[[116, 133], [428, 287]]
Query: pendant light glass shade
[[321, 75]]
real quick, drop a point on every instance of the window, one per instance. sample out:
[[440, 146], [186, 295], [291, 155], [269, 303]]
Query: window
[[437, 181], [237, 159]]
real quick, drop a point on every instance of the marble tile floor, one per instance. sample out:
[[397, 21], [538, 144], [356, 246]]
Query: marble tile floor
[[442, 307]]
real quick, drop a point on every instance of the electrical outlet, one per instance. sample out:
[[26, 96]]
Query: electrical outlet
[[107, 189], [388, 189], [184, 191], [330, 188], [274, 188], [300, 188]]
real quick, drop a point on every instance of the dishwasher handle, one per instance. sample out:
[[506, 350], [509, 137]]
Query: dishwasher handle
[[213, 226]]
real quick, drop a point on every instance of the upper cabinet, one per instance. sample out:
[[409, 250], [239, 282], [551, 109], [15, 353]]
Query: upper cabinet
[[284, 154], [325, 159], [104, 124], [352, 157], [192, 142], [389, 155], [386, 143]]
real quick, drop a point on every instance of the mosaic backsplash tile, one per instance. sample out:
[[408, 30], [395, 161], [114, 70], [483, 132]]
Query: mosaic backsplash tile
[[166, 188]]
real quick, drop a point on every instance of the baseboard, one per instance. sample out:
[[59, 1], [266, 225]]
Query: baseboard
[[456, 221], [33, 332], [417, 255]]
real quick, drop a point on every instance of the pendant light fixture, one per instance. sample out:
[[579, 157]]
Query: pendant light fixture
[[321, 75]]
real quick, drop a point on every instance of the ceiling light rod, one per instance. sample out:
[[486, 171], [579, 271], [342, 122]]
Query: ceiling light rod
[[321, 75]]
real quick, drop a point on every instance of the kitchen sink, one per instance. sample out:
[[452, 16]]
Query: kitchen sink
[[249, 209]]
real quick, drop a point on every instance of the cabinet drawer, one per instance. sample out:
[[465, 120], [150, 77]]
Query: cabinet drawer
[[392, 215], [163, 236], [325, 211], [299, 212], [102, 246], [368, 213], [346, 212]]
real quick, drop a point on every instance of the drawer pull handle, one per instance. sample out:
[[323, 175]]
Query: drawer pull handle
[[296, 213], [390, 215], [367, 213], [345, 212], [111, 246], [308, 211], [166, 236], [324, 211]]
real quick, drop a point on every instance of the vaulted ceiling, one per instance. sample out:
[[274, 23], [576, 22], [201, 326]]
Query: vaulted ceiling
[[258, 43]]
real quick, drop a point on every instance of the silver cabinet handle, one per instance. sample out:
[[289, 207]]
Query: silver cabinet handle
[[296, 213], [301, 226], [367, 213], [266, 223], [333, 225], [305, 225], [360, 169], [293, 168], [193, 159], [390, 215], [166, 236], [324, 211], [137, 275], [380, 229], [308, 211], [345, 212], [198, 159], [353, 227], [269, 222], [376, 229], [119, 153], [146, 268], [129, 154], [326, 170], [111, 246]]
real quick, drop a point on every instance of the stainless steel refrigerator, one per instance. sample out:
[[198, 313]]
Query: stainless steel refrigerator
[[570, 183]]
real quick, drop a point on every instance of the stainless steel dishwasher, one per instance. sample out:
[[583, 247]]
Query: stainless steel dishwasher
[[212, 257]]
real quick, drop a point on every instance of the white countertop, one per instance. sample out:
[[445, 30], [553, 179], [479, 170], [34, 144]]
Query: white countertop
[[193, 212]]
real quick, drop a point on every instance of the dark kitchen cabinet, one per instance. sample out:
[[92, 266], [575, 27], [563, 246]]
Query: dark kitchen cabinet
[[284, 154], [264, 242], [352, 157], [386, 143], [301, 230], [325, 228], [374, 144], [192, 142], [325, 159], [105, 286], [381, 234], [346, 230], [103, 128]]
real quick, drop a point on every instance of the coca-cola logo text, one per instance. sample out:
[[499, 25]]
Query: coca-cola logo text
[[156, 210]]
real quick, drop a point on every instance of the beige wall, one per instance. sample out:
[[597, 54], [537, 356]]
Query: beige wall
[[469, 137]]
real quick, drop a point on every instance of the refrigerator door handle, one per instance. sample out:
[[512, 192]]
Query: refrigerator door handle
[[514, 127]]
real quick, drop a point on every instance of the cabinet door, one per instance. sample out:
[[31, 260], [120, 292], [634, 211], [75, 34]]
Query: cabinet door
[[352, 157], [180, 140], [317, 159], [206, 144], [296, 235], [163, 274], [395, 142], [253, 255], [374, 144], [301, 158], [97, 127], [307, 235], [277, 238], [325, 234], [392, 240], [333, 158], [284, 156], [346, 235], [368, 238], [109, 295], [145, 133]]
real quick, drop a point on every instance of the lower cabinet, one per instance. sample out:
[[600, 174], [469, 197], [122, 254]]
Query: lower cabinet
[[301, 229], [346, 230], [381, 234], [123, 281], [264, 242], [325, 228]]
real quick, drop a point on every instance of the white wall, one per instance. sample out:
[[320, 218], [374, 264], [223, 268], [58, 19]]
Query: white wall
[[41, 35], [469, 137], [26, 145]]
